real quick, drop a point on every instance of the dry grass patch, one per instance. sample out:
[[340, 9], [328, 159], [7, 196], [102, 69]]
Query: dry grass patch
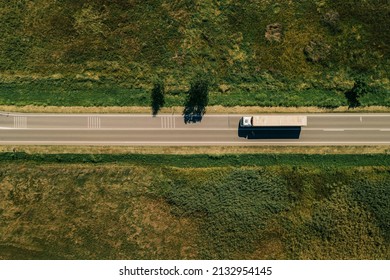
[[179, 110], [162, 234], [271, 245], [212, 150], [72, 211]]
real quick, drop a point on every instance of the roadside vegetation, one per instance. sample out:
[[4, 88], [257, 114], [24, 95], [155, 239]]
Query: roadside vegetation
[[257, 53], [77, 206], [198, 150], [205, 160], [100, 94]]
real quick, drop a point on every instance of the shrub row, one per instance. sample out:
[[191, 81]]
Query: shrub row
[[207, 160]]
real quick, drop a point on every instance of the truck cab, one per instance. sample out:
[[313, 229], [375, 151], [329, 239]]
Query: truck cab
[[246, 122]]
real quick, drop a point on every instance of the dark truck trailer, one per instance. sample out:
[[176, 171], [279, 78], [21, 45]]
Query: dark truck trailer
[[272, 126]]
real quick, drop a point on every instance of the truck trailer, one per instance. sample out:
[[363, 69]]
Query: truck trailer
[[272, 126], [274, 121]]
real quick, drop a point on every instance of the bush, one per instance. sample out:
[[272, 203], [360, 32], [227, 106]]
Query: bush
[[234, 209], [376, 198], [332, 20], [316, 51]]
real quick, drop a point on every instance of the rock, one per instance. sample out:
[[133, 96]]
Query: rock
[[273, 32], [316, 51]]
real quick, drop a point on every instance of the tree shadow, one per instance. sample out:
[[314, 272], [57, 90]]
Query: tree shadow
[[157, 97], [193, 115], [359, 89], [352, 98], [196, 101]]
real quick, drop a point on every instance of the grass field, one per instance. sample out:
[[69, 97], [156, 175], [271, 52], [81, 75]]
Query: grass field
[[68, 206], [107, 53], [102, 56]]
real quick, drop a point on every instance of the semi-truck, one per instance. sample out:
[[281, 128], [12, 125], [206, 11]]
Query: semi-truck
[[272, 126]]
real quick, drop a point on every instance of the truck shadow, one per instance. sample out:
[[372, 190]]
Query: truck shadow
[[272, 132]]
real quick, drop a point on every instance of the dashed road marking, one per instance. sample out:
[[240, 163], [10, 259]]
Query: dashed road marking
[[20, 122], [94, 122], [168, 122]]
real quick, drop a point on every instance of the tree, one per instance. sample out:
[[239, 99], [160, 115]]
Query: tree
[[197, 99], [157, 96]]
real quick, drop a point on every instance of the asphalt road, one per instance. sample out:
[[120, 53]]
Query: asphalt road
[[120, 129]]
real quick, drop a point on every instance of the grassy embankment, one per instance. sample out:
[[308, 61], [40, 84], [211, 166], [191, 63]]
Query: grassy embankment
[[111, 95], [140, 206], [208, 150]]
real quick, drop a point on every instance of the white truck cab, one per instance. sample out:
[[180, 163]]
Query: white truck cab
[[246, 122]]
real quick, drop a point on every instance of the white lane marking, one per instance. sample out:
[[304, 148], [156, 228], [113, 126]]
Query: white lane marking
[[187, 129], [345, 129], [361, 119], [317, 115], [345, 115], [241, 142], [125, 129]]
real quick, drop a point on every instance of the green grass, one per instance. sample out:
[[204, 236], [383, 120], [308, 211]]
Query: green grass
[[93, 93], [375, 196], [194, 207], [110, 212], [62, 93], [108, 53], [234, 208]]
